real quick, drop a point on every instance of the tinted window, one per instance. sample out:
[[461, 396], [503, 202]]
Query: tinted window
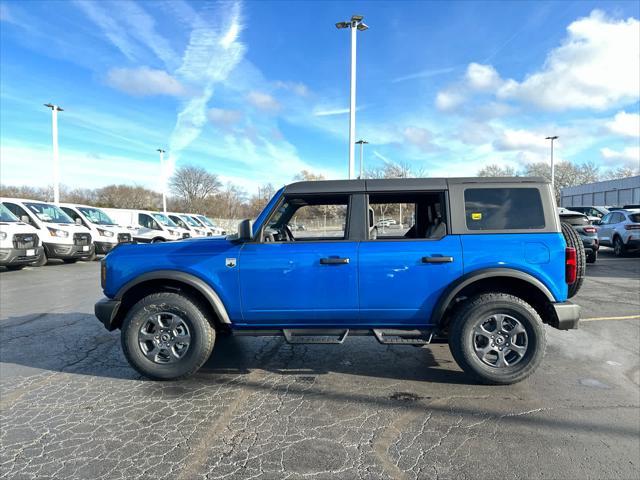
[[576, 220], [634, 217], [503, 209]]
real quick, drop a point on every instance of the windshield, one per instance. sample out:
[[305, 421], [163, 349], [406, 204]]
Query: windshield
[[97, 216], [49, 213], [6, 215], [205, 220], [190, 221], [164, 220], [178, 221]]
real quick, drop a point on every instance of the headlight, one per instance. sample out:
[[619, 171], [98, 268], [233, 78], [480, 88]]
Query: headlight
[[105, 233], [58, 233], [3, 236]]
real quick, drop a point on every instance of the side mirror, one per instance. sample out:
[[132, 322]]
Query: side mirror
[[245, 230], [78, 221], [25, 219]]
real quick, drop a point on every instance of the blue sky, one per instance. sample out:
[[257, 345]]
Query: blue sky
[[257, 91]]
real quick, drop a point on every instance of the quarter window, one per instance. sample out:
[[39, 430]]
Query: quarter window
[[503, 209]]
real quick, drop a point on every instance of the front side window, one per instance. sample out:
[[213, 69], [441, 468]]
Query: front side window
[[407, 216], [48, 213], [313, 218], [178, 221], [147, 222], [503, 209]]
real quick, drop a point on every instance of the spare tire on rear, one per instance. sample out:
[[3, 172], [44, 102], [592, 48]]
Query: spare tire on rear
[[573, 241]]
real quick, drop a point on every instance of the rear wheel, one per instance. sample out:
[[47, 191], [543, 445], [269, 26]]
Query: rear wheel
[[573, 241], [619, 248], [497, 338], [70, 260], [592, 257], [166, 336]]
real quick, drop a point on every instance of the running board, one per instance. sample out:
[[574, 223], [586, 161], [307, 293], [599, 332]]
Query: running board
[[403, 337], [315, 336]]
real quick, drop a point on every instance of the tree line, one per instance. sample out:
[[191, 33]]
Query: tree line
[[194, 189]]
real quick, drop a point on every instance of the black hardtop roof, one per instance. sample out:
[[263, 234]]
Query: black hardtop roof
[[399, 184]]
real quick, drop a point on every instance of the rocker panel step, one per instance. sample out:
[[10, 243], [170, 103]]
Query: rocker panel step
[[403, 337], [310, 336]]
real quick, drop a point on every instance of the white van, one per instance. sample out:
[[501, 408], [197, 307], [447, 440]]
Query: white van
[[189, 224], [146, 226], [106, 234], [61, 237], [19, 242], [208, 224]]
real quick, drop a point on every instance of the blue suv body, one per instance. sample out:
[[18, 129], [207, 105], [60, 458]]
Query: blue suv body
[[480, 262]]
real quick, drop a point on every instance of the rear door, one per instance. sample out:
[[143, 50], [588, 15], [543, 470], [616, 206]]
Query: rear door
[[302, 270], [407, 265]]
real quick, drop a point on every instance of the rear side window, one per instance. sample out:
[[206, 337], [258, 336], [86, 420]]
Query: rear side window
[[503, 209], [634, 217]]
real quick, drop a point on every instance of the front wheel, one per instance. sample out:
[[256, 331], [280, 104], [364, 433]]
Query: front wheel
[[166, 336], [497, 338], [42, 261]]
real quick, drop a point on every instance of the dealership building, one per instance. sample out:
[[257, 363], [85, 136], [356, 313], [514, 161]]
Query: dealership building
[[613, 193]]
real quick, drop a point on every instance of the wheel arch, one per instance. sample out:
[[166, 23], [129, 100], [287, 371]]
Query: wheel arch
[[505, 280], [170, 280]]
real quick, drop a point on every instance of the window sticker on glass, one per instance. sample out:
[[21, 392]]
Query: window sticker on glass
[[476, 216]]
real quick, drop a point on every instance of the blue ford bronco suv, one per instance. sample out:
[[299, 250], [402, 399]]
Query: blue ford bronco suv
[[482, 263]]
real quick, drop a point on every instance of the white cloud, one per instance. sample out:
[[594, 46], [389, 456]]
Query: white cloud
[[420, 137], [596, 67], [297, 88], [625, 124], [482, 77], [630, 156], [144, 81], [518, 139], [424, 74], [263, 101], [326, 112], [449, 100], [224, 118]]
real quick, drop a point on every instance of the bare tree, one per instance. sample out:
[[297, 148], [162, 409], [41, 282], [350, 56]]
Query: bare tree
[[306, 175], [620, 172], [127, 196], [194, 185], [567, 174], [494, 170]]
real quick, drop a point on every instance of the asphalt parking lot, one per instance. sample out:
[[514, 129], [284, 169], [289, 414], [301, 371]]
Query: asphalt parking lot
[[70, 406]]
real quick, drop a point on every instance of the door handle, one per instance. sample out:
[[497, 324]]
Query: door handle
[[437, 259], [334, 261]]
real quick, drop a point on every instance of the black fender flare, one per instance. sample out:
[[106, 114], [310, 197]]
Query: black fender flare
[[450, 293], [200, 285]]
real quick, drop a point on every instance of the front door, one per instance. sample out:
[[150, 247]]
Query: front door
[[302, 270]]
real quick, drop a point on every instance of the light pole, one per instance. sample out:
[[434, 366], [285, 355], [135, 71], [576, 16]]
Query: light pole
[[362, 143], [555, 137], [56, 160], [163, 180], [354, 24]]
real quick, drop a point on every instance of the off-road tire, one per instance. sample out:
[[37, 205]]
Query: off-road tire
[[462, 337], [202, 333], [573, 240]]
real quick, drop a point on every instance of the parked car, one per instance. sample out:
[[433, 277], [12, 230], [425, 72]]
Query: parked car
[[587, 232], [189, 224], [105, 232], [19, 242], [594, 213], [208, 224], [486, 264], [620, 229], [385, 222], [146, 226], [61, 237]]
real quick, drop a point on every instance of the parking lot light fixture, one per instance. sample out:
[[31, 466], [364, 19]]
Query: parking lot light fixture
[[163, 180], [355, 24], [56, 160], [555, 137], [362, 144]]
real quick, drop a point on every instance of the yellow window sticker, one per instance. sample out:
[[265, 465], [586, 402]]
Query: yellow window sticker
[[476, 216]]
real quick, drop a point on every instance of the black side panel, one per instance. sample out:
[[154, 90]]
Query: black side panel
[[447, 297], [325, 186], [358, 230]]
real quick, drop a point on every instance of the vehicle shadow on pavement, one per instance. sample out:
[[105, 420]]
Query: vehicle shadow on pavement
[[77, 343]]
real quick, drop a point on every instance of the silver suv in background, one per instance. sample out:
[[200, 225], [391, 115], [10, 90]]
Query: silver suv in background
[[620, 229]]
